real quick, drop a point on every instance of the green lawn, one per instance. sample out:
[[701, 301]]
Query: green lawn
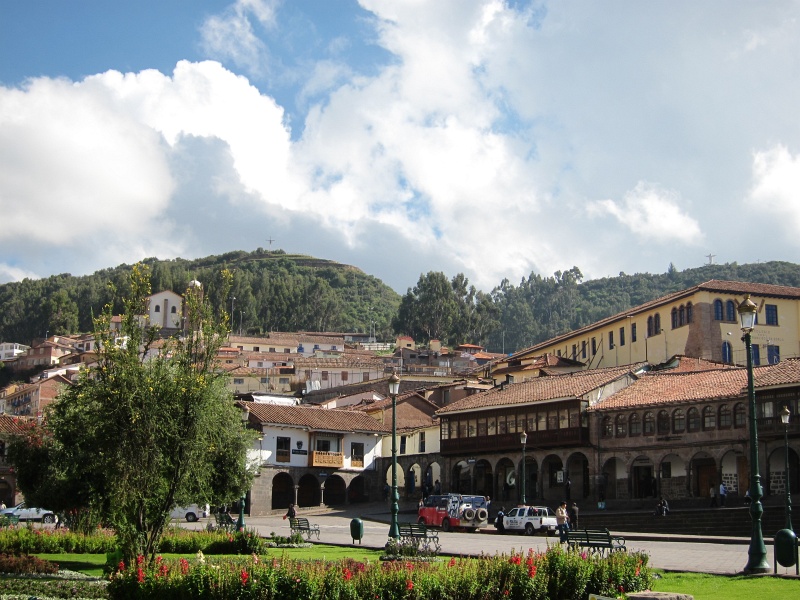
[[707, 587]]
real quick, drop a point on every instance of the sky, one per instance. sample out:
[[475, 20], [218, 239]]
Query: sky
[[493, 138]]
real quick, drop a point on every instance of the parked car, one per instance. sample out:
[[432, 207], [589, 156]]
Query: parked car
[[449, 511], [191, 513], [530, 519], [29, 513]]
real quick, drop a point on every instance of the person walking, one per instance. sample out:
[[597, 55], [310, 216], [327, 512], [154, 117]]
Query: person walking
[[573, 516], [712, 492], [562, 521], [291, 513], [723, 491]]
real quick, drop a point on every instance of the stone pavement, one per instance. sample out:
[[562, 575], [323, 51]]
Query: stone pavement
[[724, 556]]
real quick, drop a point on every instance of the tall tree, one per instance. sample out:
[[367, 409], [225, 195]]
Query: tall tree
[[151, 427]]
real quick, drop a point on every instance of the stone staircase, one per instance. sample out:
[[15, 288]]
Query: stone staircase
[[733, 521]]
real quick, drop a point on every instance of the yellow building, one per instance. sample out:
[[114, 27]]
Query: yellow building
[[698, 322]]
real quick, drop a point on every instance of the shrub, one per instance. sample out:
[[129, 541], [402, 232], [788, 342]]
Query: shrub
[[554, 575], [24, 564]]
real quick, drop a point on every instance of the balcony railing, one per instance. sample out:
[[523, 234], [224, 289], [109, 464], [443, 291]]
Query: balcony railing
[[506, 442], [357, 462], [282, 456], [327, 459]]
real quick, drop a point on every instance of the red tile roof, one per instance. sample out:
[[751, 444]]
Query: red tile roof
[[554, 387], [14, 425], [318, 419], [785, 372]]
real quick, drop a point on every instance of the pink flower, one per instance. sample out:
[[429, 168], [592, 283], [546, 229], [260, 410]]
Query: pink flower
[[184, 566], [121, 566]]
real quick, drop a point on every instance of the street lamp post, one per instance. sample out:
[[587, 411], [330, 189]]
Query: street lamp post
[[240, 520], [394, 388], [785, 417], [523, 438], [757, 552]]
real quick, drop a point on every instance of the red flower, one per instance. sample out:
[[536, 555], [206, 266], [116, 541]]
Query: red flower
[[452, 562], [505, 593], [409, 584], [121, 566], [244, 575], [184, 566], [163, 570], [139, 574], [140, 560], [532, 571], [515, 560], [348, 574], [637, 572]]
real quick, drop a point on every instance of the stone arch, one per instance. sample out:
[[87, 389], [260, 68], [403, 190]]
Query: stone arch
[[642, 478], [414, 480], [672, 477], [776, 469], [578, 472], [335, 491], [309, 493], [531, 479], [613, 482], [733, 471], [282, 491], [703, 474], [462, 477], [357, 490], [401, 476], [505, 479], [433, 473], [484, 478], [551, 479]]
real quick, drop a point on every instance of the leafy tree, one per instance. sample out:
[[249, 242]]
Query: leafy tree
[[151, 427]]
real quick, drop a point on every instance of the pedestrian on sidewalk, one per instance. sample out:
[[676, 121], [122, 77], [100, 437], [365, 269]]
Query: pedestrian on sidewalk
[[573, 516], [562, 521], [723, 491], [712, 492]]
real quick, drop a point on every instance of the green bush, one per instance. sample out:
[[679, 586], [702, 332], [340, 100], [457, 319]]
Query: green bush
[[556, 574]]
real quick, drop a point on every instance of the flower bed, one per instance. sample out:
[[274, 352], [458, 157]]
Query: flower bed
[[555, 574]]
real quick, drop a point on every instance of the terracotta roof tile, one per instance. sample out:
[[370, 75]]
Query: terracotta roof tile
[[653, 389], [318, 419], [552, 387], [785, 372], [14, 425]]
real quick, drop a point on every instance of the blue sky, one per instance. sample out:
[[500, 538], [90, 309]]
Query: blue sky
[[487, 137]]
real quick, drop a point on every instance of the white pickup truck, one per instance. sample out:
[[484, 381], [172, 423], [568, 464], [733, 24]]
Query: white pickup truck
[[530, 519]]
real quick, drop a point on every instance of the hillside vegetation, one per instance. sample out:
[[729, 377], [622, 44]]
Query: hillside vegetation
[[275, 291]]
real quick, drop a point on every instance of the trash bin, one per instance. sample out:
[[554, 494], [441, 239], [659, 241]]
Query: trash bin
[[357, 529], [785, 547]]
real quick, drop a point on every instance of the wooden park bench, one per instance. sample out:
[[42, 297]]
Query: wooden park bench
[[301, 525], [225, 522], [596, 540], [420, 536]]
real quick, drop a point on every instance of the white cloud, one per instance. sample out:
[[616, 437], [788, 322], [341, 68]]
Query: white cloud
[[651, 213], [776, 174], [231, 36]]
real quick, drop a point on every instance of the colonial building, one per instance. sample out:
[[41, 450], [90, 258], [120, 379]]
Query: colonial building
[[481, 442], [313, 456], [9, 427], [701, 322]]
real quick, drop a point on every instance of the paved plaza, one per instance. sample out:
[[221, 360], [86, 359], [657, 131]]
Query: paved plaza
[[726, 556]]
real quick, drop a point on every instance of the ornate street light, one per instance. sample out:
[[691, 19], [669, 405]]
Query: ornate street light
[[394, 388], [523, 438], [785, 418], [240, 520], [757, 552]]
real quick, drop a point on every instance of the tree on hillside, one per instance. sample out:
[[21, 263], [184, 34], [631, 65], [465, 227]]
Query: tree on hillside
[[428, 310], [151, 427]]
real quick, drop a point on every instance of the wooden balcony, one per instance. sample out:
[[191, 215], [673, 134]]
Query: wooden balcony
[[509, 442], [357, 462], [282, 456], [327, 459]]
